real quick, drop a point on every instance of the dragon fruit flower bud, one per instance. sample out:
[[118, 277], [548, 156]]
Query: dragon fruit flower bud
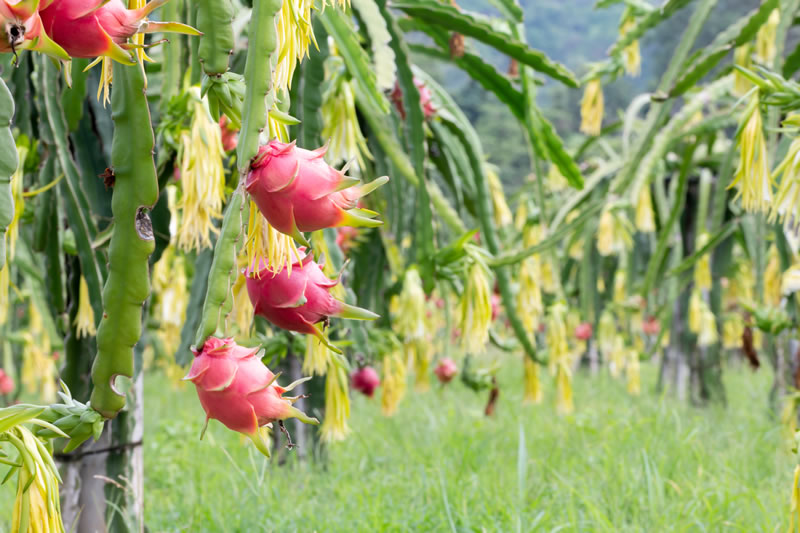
[[297, 191], [365, 380], [446, 370], [237, 389], [93, 28], [300, 300]]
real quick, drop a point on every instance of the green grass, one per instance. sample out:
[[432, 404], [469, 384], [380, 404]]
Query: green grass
[[619, 464]]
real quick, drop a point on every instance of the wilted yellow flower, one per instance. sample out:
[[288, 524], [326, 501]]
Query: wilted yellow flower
[[475, 308], [702, 269], [560, 357], [38, 365], [556, 180], [502, 214], [419, 353], [632, 372], [606, 333], [631, 57], [765, 38], [84, 318], [533, 386], [393, 386], [37, 502], [620, 286], [786, 207], [549, 280], [317, 358], [613, 233], [202, 177], [753, 176], [521, 216], [337, 403], [294, 30], [265, 243], [409, 318], [592, 108], [529, 297], [645, 218], [171, 299], [617, 356], [742, 57], [790, 282], [340, 126], [696, 307], [773, 278], [732, 330], [708, 328]]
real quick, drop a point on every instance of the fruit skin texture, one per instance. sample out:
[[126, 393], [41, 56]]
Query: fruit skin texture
[[91, 28], [583, 331], [297, 191], [446, 370], [300, 300], [365, 380], [237, 389]]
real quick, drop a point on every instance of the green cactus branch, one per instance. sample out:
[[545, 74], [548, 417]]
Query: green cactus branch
[[8, 164], [258, 98], [128, 283]]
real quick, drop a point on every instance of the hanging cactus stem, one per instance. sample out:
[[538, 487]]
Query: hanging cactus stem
[[128, 283]]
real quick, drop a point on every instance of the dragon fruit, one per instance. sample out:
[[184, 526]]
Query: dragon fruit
[[583, 331], [237, 389], [297, 191], [365, 380], [92, 28], [300, 300], [24, 29], [446, 370], [6, 383], [425, 99], [651, 326]]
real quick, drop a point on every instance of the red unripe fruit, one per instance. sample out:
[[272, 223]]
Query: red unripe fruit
[[651, 326], [365, 380]]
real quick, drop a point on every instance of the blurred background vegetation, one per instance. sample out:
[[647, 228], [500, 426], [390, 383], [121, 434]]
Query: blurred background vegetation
[[571, 32]]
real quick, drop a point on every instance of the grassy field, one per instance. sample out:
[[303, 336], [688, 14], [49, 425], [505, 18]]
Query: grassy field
[[618, 464]]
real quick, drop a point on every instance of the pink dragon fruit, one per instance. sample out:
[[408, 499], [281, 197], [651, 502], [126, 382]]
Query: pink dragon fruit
[[237, 389], [496, 303], [300, 300], [24, 29], [92, 28], [6, 383], [446, 370], [365, 380], [583, 331], [230, 136], [651, 326], [425, 99], [297, 191]]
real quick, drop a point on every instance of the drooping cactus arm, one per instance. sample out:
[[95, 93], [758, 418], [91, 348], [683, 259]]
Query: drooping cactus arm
[[258, 73], [214, 19], [8, 164], [263, 42], [128, 283]]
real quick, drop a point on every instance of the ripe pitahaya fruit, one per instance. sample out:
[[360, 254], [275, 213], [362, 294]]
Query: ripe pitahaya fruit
[[6, 383], [92, 28], [297, 191], [237, 389], [230, 136], [24, 29], [584, 331], [496, 303], [446, 370], [365, 380], [425, 99], [651, 326], [300, 300]]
